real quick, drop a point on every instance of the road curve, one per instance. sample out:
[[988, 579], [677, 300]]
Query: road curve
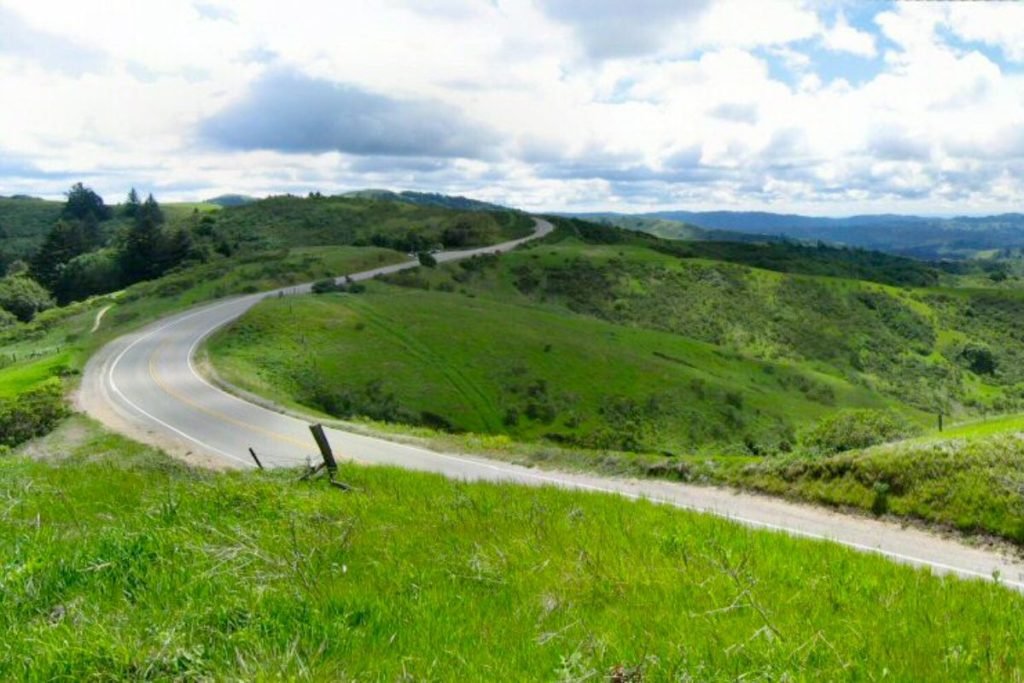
[[146, 385]]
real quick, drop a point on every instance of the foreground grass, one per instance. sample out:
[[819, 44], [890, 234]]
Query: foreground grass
[[121, 564]]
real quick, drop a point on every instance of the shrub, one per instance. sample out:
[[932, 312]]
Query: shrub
[[326, 286], [96, 272], [23, 297], [977, 358], [31, 414], [427, 259], [852, 429], [7, 319]]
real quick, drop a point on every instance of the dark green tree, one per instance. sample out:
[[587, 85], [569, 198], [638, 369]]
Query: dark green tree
[[83, 202], [132, 204], [175, 246], [66, 240], [139, 254], [152, 211]]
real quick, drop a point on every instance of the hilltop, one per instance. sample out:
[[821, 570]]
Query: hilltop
[[428, 199]]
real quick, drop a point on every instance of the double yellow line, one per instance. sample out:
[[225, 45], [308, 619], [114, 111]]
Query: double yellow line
[[213, 413]]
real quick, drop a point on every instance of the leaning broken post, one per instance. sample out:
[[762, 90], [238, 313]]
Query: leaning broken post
[[329, 463]]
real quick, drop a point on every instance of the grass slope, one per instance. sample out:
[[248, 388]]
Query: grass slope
[[928, 347], [121, 564], [587, 344], [487, 366], [974, 485], [624, 348]]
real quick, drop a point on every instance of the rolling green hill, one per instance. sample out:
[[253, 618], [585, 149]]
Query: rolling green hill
[[428, 199], [232, 222], [289, 221], [624, 346], [597, 342], [490, 366], [58, 342], [673, 229]]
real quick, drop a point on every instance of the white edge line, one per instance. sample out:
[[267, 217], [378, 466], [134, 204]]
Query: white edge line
[[128, 401]]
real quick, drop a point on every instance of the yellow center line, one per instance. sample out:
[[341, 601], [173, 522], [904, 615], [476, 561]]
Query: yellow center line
[[213, 413]]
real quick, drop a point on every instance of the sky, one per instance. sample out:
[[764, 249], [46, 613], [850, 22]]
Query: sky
[[833, 107]]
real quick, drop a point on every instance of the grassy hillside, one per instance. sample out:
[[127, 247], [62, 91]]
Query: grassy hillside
[[558, 340], [429, 199], [489, 366], [780, 256], [282, 240], [23, 223], [671, 229], [974, 485], [932, 347], [122, 564], [621, 348]]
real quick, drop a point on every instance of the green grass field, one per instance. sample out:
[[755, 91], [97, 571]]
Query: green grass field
[[119, 563]]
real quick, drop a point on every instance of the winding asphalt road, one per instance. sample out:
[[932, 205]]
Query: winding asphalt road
[[147, 386]]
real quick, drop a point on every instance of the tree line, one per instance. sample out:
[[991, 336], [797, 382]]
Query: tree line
[[87, 252]]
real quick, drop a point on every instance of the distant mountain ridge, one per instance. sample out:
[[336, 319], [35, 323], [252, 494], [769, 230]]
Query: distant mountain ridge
[[908, 235], [227, 200], [428, 199]]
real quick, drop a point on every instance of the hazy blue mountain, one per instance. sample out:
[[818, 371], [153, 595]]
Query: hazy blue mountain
[[917, 236]]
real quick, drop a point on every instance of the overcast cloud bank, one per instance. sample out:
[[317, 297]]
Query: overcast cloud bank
[[829, 108]]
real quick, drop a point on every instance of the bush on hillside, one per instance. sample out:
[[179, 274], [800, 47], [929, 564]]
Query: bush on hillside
[[7, 319], [326, 286], [23, 297], [849, 430], [372, 400], [95, 272], [31, 414], [978, 358]]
